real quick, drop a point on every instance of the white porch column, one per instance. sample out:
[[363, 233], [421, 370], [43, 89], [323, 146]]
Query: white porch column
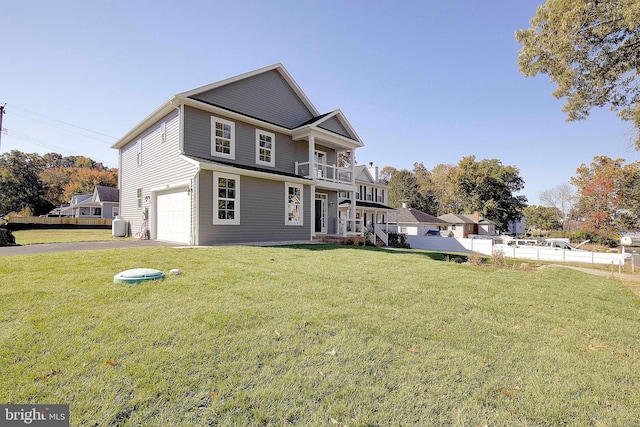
[[312, 159], [312, 209], [352, 214], [352, 164]]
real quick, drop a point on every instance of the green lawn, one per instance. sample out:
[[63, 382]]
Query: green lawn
[[317, 335], [34, 236]]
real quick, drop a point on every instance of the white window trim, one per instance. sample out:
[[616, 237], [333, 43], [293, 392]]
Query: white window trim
[[139, 197], [288, 185], [272, 163], [236, 217], [232, 143]]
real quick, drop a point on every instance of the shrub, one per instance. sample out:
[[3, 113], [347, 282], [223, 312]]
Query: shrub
[[475, 258], [398, 240], [498, 259]]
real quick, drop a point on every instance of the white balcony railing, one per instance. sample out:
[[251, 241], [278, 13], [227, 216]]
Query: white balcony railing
[[328, 173]]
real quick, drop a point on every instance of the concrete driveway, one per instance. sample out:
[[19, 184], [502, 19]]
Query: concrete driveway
[[79, 246]]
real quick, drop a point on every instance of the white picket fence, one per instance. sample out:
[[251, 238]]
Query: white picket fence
[[538, 253]]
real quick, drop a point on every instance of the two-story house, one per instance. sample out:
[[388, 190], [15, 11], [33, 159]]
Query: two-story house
[[246, 159]]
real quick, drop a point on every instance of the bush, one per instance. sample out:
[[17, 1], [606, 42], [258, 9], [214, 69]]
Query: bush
[[349, 242], [475, 258], [498, 259], [398, 240]]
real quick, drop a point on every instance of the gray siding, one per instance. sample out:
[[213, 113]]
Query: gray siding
[[262, 213], [197, 142], [161, 165], [267, 96], [334, 125]]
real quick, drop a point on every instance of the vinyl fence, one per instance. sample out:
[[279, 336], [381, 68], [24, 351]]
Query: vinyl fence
[[538, 253]]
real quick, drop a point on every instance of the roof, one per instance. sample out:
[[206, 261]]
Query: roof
[[372, 205], [414, 215], [325, 124], [463, 219], [107, 194], [203, 161]]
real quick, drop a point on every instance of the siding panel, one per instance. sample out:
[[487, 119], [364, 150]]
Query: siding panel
[[262, 213], [267, 96], [160, 166], [334, 125]]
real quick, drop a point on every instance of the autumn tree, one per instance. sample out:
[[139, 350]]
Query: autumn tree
[[591, 50], [444, 179], [386, 173], [488, 187], [609, 195]]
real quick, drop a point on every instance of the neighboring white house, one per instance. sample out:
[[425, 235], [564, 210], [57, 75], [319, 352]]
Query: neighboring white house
[[462, 225], [517, 228], [371, 199], [102, 203], [413, 222]]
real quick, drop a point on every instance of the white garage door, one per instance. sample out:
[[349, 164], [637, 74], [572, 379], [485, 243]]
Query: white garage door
[[174, 216]]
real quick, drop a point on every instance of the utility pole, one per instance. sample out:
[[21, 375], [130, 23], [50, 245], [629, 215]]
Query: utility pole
[[1, 114]]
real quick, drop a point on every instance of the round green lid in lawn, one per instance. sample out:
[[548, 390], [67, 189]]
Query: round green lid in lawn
[[138, 275]]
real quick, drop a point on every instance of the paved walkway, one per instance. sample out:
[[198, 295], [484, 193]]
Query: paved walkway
[[616, 275], [78, 246]]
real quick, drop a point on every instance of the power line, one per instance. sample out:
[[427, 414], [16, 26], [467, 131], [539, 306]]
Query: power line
[[63, 122], [59, 127]]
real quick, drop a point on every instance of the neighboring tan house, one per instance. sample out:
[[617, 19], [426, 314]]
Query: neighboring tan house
[[102, 203], [246, 159], [413, 222], [464, 225], [371, 200]]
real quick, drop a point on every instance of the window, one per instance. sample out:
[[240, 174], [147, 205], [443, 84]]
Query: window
[[223, 138], [139, 151], [293, 204], [116, 211], [226, 199], [139, 197], [265, 148]]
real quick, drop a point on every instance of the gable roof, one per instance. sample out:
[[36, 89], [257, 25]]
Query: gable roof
[[106, 194], [281, 105], [363, 175], [414, 215]]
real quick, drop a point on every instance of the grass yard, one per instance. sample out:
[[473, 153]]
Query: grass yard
[[34, 236], [317, 335]]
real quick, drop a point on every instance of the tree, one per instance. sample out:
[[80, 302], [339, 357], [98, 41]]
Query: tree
[[386, 173], [562, 199], [444, 179], [487, 187], [20, 185], [608, 195], [542, 218], [591, 50], [404, 188]]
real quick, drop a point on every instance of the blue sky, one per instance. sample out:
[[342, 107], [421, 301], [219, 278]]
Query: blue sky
[[420, 81]]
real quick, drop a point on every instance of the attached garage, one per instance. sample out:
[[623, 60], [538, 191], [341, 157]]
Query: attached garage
[[173, 216]]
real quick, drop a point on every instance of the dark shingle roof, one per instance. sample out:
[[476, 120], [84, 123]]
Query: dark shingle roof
[[414, 215], [108, 194]]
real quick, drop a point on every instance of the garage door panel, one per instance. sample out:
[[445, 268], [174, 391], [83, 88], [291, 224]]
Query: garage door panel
[[173, 213]]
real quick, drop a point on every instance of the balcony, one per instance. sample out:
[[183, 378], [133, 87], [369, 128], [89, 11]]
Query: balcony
[[326, 173]]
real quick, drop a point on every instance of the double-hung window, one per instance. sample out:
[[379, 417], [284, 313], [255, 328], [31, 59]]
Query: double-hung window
[[265, 148], [293, 213], [223, 142], [226, 199]]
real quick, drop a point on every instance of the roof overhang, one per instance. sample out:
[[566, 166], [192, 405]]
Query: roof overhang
[[220, 167]]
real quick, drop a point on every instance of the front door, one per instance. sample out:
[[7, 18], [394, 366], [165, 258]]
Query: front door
[[321, 214]]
